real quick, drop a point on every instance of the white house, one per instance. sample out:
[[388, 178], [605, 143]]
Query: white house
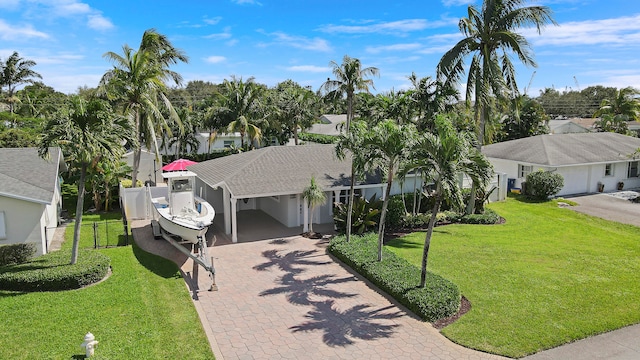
[[584, 160], [272, 180], [30, 199], [150, 165], [329, 125]]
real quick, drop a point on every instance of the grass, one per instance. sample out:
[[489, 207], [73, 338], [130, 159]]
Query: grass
[[143, 311], [546, 277]]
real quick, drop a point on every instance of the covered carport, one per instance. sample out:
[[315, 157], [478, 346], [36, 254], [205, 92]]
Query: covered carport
[[261, 190]]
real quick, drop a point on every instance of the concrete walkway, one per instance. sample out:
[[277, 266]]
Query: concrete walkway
[[287, 299]]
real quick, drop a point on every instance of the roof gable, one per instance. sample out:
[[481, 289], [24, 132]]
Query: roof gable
[[565, 149], [277, 170], [25, 175]]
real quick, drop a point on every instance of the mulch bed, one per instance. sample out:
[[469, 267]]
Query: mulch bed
[[465, 306]]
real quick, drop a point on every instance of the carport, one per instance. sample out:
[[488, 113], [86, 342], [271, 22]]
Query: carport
[[261, 190]]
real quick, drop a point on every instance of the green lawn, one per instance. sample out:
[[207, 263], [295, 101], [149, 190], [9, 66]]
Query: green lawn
[[546, 277], [143, 311]]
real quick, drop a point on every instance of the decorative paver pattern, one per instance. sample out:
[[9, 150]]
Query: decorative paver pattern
[[288, 299]]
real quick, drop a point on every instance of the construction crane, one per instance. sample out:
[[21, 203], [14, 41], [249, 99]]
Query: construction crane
[[575, 79], [529, 85]]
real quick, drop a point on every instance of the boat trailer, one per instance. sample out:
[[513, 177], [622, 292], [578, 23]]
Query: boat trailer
[[201, 258]]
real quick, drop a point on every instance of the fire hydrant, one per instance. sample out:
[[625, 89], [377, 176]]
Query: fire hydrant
[[89, 344]]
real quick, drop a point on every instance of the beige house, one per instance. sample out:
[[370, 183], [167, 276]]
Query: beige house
[[30, 199]]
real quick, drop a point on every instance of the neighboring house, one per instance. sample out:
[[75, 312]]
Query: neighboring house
[[221, 141], [584, 160], [30, 198], [150, 166], [272, 179], [566, 127], [329, 125]]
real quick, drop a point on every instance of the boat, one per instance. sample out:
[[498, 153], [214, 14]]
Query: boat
[[181, 212]]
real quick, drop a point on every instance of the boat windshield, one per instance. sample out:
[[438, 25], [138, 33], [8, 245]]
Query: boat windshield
[[181, 185]]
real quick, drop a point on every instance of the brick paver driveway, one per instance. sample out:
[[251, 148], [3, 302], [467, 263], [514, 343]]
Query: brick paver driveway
[[288, 299]]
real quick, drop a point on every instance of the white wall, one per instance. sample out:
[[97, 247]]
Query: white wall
[[24, 223], [278, 209], [203, 138]]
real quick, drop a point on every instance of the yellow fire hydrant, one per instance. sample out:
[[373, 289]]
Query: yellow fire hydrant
[[89, 344]]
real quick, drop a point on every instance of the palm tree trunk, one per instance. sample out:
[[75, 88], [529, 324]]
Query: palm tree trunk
[[427, 239], [383, 215], [79, 208], [350, 205], [311, 219]]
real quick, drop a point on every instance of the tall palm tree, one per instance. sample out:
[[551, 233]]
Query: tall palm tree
[[430, 97], [350, 79], [138, 81], [87, 132], [13, 72], [625, 105], [384, 147], [490, 36], [445, 154], [293, 107], [315, 197], [241, 103]]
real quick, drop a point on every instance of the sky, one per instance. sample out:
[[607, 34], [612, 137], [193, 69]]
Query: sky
[[596, 42]]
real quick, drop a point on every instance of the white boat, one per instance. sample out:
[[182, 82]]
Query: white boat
[[181, 212]]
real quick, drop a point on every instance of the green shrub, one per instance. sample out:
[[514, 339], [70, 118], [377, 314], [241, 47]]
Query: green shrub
[[440, 298], [541, 185], [317, 138], [489, 217], [16, 253], [52, 272], [395, 212], [365, 217], [127, 183]]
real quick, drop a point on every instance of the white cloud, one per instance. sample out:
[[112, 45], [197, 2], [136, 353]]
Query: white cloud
[[309, 68], [394, 47], [299, 42], [215, 59], [58, 59], [622, 31], [67, 8], [98, 22], [226, 34], [449, 3], [212, 21], [400, 27], [247, 2], [10, 32]]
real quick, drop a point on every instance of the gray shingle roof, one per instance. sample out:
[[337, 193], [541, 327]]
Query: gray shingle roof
[[565, 149], [25, 175], [277, 170]]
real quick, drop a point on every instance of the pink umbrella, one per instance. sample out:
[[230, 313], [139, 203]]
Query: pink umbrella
[[178, 165]]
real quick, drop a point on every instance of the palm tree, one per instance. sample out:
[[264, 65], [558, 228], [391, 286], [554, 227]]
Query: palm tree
[[293, 107], [241, 104], [490, 36], [384, 147], [350, 78], [87, 132], [624, 106], [315, 197], [16, 71], [445, 154], [138, 80], [430, 97]]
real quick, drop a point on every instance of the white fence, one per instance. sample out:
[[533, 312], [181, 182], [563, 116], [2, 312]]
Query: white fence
[[136, 203]]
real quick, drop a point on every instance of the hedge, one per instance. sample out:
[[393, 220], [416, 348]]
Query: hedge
[[52, 272], [439, 299], [16, 253], [317, 138]]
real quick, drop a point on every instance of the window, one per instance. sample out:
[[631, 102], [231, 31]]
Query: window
[[3, 229], [344, 195], [633, 169], [524, 170], [274, 141], [228, 143], [181, 185], [608, 170]]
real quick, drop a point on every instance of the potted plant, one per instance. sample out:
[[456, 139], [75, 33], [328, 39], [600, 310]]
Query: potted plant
[[620, 185], [600, 187]]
